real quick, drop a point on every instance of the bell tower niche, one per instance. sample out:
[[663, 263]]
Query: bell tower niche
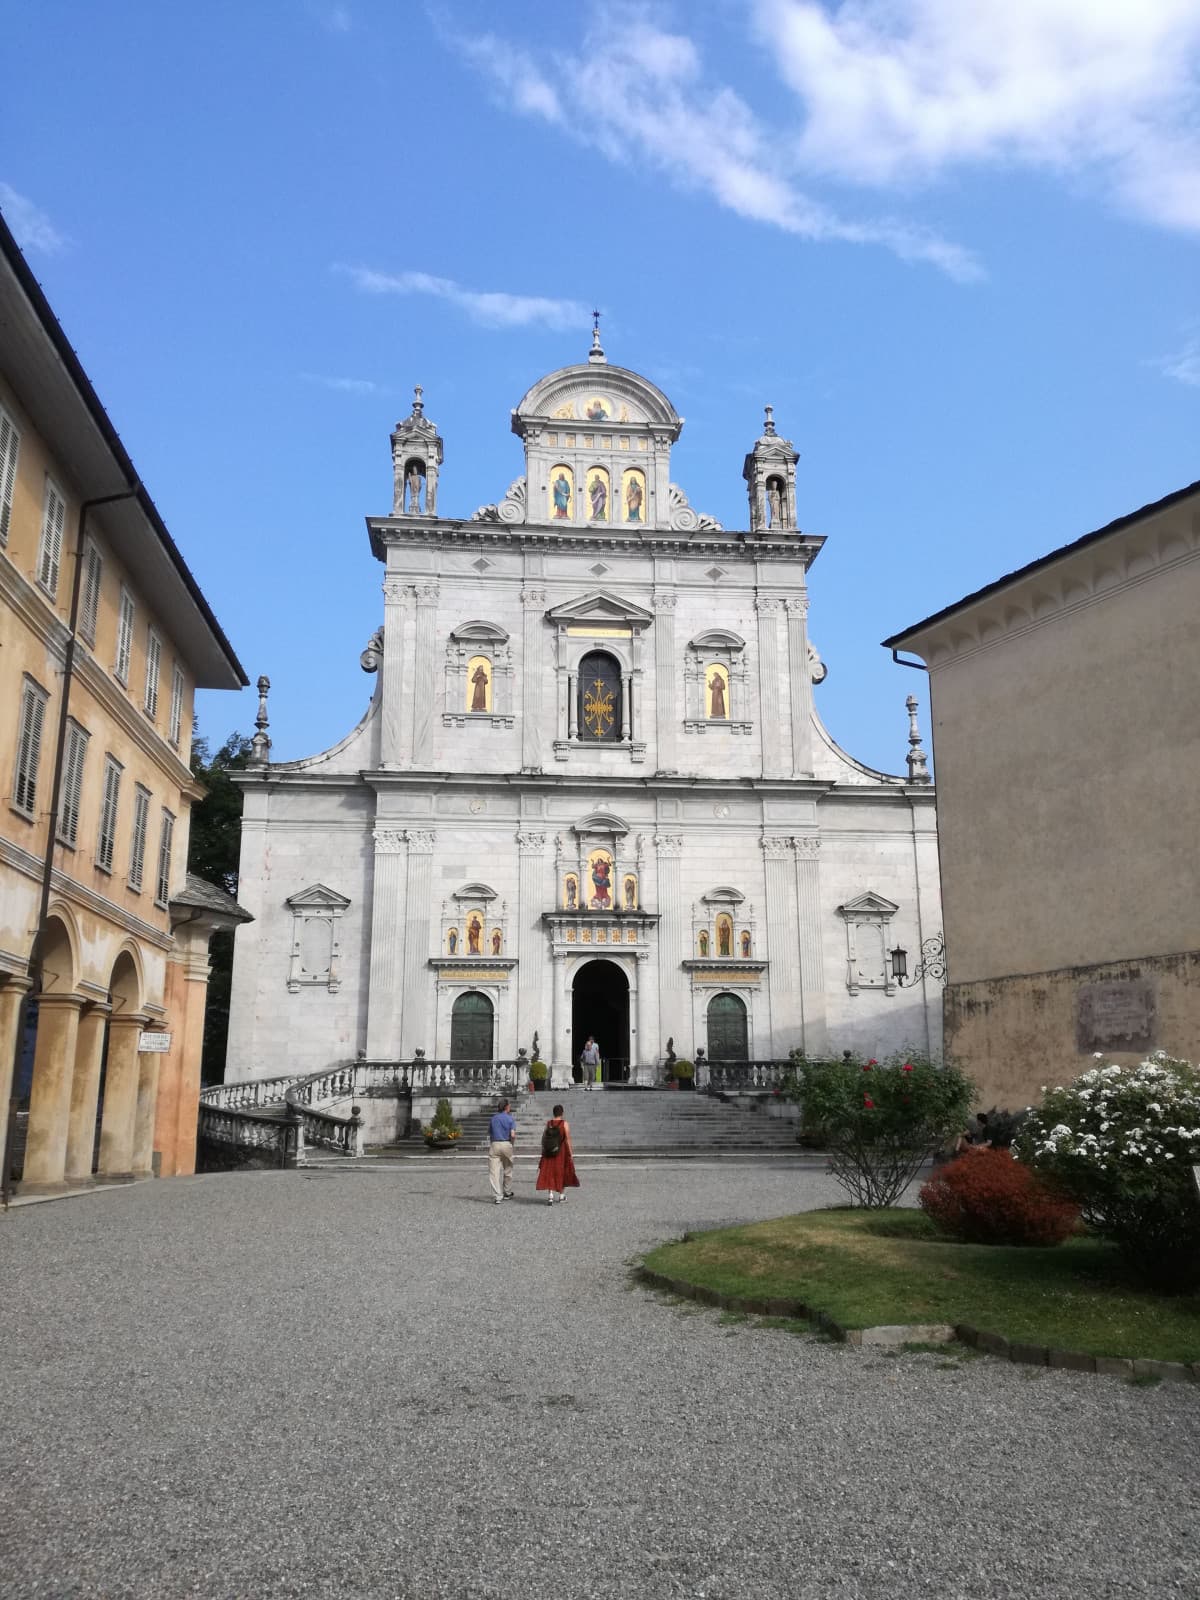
[[416, 457], [770, 474]]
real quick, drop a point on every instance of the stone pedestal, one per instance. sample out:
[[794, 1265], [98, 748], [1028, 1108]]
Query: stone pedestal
[[50, 1102]]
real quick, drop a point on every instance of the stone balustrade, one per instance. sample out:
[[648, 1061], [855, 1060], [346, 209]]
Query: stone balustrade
[[726, 1077]]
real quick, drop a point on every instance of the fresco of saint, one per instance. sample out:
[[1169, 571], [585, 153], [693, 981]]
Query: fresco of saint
[[745, 942], [496, 941], [452, 941], [572, 894], [598, 495], [561, 489], [630, 894], [601, 882], [479, 679], [474, 934], [724, 936], [633, 500], [704, 942], [596, 411], [716, 687]]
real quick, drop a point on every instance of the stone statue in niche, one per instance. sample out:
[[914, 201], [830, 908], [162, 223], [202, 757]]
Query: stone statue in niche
[[474, 935], [774, 502], [496, 941], [415, 480], [572, 893], [631, 894], [479, 694], [716, 685]]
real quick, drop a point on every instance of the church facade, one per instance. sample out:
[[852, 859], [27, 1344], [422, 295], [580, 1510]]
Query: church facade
[[592, 793]]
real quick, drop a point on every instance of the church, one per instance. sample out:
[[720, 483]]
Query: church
[[592, 793]]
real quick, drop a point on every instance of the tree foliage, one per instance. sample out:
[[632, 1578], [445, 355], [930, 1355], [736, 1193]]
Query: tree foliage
[[214, 849]]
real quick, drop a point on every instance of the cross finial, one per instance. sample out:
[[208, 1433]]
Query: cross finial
[[418, 402], [596, 353], [769, 420]]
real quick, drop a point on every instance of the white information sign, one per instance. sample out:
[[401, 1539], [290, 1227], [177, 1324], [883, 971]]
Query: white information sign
[[154, 1043]]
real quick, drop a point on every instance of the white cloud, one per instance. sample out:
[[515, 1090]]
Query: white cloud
[[1184, 365], [343, 385], [896, 92], [334, 18], [490, 308], [31, 228]]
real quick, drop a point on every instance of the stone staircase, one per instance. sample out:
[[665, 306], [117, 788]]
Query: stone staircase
[[628, 1122]]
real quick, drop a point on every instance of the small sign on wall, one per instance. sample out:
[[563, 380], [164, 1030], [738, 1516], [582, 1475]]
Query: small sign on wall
[[154, 1043], [1116, 1014]]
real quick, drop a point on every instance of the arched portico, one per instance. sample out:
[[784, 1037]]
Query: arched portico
[[600, 1007]]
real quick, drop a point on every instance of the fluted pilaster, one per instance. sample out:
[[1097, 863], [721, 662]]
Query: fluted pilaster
[[385, 993], [533, 672], [782, 949], [673, 1016], [769, 668], [812, 947], [800, 681], [531, 940], [422, 667], [415, 1031], [666, 681]]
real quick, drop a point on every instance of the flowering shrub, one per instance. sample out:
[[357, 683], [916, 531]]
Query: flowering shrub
[[443, 1125], [1121, 1141], [881, 1120], [985, 1197]]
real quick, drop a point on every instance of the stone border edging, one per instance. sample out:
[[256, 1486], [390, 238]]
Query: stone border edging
[[892, 1334]]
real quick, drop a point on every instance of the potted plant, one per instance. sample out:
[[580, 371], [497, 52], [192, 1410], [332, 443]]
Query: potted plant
[[443, 1133], [539, 1074], [685, 1074]]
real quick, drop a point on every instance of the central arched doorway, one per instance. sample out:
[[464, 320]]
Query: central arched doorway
[[600, 1006], [471, 1023], [728, 1035]]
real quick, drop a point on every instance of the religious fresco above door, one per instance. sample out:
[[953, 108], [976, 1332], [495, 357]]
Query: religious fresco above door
[[598, 409], [475, 934], [571, 892], [479, 684], [633, 495], [629, 893], [452, 942], [746, 942], [600, 880], [702, 942], [562, 493], [724, 934], [497, 941], [597, 494], [716, 692]]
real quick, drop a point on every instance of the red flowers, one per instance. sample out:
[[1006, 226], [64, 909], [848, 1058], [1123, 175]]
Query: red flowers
[[907, 1067], [867, 1065], [868, 1102]]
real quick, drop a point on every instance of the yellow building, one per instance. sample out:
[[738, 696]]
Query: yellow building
[[104, 637]]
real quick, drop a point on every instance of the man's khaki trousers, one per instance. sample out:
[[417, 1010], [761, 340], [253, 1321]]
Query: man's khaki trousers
[[500, 1166]]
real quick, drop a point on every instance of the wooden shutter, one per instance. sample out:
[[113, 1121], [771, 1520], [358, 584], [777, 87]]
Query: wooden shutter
[[50, 554], [124, 637], [137, 844], [72, 785], [92, 574], [153, 668], [176, 703], [10, 440], [164, 859], [29, 748]]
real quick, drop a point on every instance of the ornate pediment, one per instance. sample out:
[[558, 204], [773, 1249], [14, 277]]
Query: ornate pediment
[[601, 609], [724, 894], [869, 904], [479, 633], [474, 892], [605, 822], [317, 897], [717, 639]]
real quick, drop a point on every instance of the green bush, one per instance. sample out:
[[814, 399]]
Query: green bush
[[881, 1120], [1121, 1142], [538, 1072], [443, 1125], [682, 1070]]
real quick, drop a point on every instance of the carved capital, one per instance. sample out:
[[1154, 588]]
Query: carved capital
[[395, 590], [808, 844], [389, 841], [531, 842], [665, 600], [532, 598], [776, 846], [798, 605], [668, 844], [426, 594], [420, 841], [768, 603]]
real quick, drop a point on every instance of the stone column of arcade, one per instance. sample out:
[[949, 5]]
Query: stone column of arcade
[[85, 1092], [50, 1100], [120, 1097], [142, 1160], [10, 1015]]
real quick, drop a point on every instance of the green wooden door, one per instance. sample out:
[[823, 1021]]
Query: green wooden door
[[471, 1028], [727, 1034]]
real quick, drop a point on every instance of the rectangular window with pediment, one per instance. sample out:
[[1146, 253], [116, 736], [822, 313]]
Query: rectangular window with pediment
[[316, 938]]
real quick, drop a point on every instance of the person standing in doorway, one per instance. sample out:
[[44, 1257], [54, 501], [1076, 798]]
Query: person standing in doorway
[[502, 1136], [589, 1061], [556, 1169]]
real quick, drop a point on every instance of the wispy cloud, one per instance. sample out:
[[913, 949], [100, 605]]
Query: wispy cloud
[[333, 18], [897, 92], [490, 308], [343, 385], [1184, 364], [641, 95], [31, 228]]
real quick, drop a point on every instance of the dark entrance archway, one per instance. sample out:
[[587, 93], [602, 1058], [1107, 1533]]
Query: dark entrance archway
[[600, 1006], [471, 1028], [727, 1032]]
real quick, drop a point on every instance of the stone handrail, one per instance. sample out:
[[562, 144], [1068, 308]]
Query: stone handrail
[[220, 1125], [322, 1127], [244, 1096], [733, 1075]]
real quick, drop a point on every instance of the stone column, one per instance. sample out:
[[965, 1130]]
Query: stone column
[[385, 992], [673, 946], [561, 1048], [534, 669], [666, 688], [396, 603], [143, 1122], [85, 1092], [812, 945], [50, 1102], [418, 975], [531, 938], [782, 947], [800, 680], [572, 705], [626, 706], [770, 729], [422, 665], [11, 993], [120, 1097], [177, 1106]]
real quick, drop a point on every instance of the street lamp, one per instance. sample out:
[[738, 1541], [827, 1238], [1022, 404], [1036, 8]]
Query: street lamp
[[931, 965]]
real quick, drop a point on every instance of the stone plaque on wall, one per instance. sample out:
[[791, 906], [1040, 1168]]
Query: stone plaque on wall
[[1117, 1014]]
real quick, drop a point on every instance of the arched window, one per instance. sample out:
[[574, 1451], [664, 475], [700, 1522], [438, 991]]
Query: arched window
[[471, 1028], [727, 1032], [599, 699]]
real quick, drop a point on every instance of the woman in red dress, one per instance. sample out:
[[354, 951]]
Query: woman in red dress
[[556, 1173]]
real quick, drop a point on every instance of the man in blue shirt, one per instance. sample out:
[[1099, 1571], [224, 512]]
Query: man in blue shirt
[[502, 1135]]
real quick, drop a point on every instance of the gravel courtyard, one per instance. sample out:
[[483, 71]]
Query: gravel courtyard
[[373, 1381]]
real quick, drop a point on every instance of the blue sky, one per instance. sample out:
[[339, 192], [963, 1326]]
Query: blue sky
[[954, 245]]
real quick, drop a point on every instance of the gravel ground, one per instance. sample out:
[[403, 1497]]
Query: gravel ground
[[376, 1382]]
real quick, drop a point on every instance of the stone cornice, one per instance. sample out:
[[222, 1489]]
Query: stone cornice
[[1053, 588]]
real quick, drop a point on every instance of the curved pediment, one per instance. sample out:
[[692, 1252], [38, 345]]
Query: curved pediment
[[601, 822], [479, 633], [723, 894], [717, 639], [477, 893], [596, 393], [602, 608]]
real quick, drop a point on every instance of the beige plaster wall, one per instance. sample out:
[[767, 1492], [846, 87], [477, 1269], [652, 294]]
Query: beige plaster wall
[[1068, 755]]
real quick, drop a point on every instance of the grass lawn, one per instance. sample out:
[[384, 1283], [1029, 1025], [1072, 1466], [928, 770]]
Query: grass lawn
[[864, 1268]]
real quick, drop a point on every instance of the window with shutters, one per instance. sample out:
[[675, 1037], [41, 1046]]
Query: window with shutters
[[10, 442], [137, 838], [89, 608], [50, 549], [107, 841], [176, 724], [124, 637], [72, 783], [153, 668], [29, 746], [162, 892]]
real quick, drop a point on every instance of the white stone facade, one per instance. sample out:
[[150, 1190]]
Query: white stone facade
[[593, 739]]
